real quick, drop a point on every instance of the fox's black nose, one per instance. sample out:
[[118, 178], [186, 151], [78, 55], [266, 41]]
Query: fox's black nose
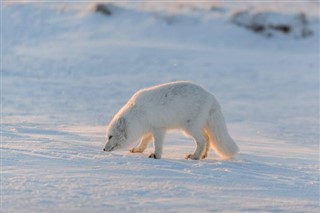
[[104, 149]]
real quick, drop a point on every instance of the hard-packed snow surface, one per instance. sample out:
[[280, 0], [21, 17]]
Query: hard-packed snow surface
[[66, 70]]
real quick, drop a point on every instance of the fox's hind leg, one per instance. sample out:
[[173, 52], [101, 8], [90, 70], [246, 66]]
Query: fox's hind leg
[[201, 145], [206, 150], [143, 144]]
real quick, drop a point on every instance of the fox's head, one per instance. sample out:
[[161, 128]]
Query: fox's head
[[117, 135]]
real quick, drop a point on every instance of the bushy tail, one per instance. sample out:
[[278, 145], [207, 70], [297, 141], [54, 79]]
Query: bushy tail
[[220, 139]]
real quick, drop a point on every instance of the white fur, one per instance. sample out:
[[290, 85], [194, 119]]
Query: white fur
[[177, 105]]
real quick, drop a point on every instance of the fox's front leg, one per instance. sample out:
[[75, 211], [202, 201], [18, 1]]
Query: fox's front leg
[[143, 144], [158, 136]]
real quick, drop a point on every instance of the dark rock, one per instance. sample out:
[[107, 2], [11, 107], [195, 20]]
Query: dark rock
[[103, 9]]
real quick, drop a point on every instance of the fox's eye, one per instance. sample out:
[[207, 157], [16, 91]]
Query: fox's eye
[[110, 137]]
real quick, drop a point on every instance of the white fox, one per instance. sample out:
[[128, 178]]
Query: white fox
[[179, 105]]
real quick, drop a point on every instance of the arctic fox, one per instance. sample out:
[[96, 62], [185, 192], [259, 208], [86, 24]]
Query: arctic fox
[[179, 105]]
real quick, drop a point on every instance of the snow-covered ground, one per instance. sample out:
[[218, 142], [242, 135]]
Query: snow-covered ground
[[67, 69]]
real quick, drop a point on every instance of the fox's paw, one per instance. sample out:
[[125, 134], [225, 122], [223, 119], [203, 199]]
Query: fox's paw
[[192, 157], [154, 156], [136, 150], [204, 156]]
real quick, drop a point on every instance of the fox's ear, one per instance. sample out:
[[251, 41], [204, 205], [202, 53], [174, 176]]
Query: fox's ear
[[122, 124]]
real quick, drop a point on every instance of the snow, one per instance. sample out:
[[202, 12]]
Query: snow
[[66, 71]]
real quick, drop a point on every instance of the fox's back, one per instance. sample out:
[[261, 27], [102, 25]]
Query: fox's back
[[181, 92], [172, 103]]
